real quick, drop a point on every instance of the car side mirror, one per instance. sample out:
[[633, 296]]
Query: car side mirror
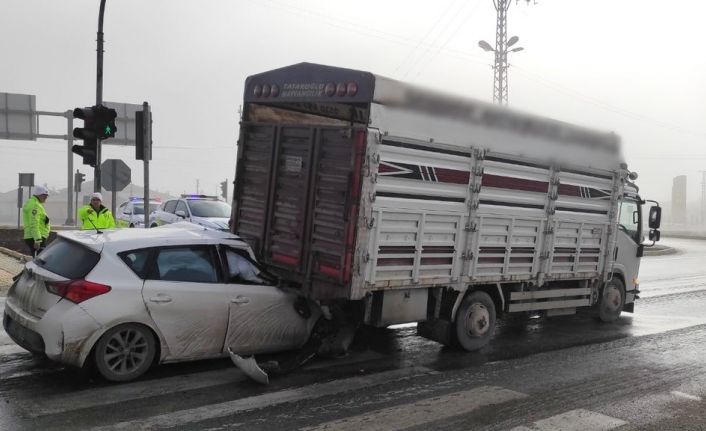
[[655, 218], [654, 235], [180, 213]]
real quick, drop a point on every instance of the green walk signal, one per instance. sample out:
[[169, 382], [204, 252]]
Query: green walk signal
[[105, 122]]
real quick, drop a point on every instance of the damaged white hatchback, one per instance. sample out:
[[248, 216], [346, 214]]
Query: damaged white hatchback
[[124, 300]]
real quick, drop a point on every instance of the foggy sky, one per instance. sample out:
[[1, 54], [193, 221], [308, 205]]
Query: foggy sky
[[633, 67]]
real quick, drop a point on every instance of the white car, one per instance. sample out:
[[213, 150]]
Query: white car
[[132, 213], [207, 211], [125, 299]]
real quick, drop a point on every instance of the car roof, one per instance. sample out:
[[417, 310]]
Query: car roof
[[182, 233]]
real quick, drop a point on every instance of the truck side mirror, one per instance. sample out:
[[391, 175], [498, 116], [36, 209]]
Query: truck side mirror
[[654, 235], [655, 219]]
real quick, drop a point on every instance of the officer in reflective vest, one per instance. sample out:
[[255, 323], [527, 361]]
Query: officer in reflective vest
[[36, 222], [95, 216]]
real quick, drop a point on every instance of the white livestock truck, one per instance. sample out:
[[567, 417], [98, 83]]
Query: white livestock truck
[[400, 204]]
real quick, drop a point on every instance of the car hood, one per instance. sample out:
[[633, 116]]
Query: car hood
[[220, 223]]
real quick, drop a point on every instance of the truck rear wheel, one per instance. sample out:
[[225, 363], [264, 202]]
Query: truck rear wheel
[[612, 300], [475, 321]]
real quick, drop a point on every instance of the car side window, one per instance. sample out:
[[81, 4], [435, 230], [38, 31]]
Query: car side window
[[123, 208], [192, 264], [241, 269], [170, 206], [136, 260], [181, 206]]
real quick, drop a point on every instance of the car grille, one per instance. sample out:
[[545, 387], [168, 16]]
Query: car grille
[[25, 337]]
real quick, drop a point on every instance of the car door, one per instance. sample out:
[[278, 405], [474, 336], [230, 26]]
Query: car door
[[262, 318], [187, 300], [181, 206], [123, 219], [628, 241]]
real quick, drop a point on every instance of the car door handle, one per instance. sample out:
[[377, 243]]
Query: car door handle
[[240, 300], [161, 298]]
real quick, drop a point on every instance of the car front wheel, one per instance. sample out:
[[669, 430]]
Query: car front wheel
[[125, 352]]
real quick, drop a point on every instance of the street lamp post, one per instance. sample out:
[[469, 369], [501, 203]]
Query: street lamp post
[[500, 67]]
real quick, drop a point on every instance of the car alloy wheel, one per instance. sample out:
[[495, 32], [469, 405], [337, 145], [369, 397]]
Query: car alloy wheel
[[125, 352]]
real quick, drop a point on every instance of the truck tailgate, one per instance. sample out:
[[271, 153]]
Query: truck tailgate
[[296, 201]]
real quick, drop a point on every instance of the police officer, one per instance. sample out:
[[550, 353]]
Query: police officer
[[36, 222], [95, 215]]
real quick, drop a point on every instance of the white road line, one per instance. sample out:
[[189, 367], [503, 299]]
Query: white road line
[[60, 403], [318, 390], [11, 349], [687, 396], [575, 420], [422, 412]]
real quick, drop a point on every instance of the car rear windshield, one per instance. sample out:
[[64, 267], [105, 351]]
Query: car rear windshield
[[68, 259], [203, 208]]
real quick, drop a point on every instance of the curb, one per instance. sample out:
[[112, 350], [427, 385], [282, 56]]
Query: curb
[[16, 255]]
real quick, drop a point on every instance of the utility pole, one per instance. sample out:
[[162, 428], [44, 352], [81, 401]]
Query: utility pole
[[500, 86], [702, 219], [99, 95]]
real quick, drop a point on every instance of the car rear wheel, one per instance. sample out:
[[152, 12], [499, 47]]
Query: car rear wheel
[[125, 352]]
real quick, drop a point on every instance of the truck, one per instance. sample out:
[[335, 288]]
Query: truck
[[399, 204]]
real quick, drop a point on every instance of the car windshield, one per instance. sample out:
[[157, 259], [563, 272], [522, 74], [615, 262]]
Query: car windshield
[[140, 208], [204, 208]]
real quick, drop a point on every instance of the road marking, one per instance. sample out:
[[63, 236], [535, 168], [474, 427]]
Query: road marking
[[11, 349], [423, 411], [575, 420], [228, 408], [687, 396], [102, 396]]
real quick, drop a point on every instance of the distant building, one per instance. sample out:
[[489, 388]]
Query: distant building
[[679, 200]]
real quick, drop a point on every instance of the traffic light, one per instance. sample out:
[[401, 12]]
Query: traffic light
[[79, 178], [105, 122], [98, 123], [87, 133], [224, 189]]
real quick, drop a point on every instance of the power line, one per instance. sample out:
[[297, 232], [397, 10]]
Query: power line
[[448, 39], [426, 35], [432, 43]]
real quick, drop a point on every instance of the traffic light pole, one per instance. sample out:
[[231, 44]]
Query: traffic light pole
[[99, 95], [146, 156], [70, 177]]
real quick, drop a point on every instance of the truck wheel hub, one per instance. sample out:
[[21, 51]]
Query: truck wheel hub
[[477, 322]]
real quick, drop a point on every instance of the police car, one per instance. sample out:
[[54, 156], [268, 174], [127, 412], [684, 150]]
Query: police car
[[132, 212], [207, 211]]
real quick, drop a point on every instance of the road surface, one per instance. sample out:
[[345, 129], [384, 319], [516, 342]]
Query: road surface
[[647, 371]]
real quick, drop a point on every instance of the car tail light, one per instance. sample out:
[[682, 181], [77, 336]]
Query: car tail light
[[77, 291]]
